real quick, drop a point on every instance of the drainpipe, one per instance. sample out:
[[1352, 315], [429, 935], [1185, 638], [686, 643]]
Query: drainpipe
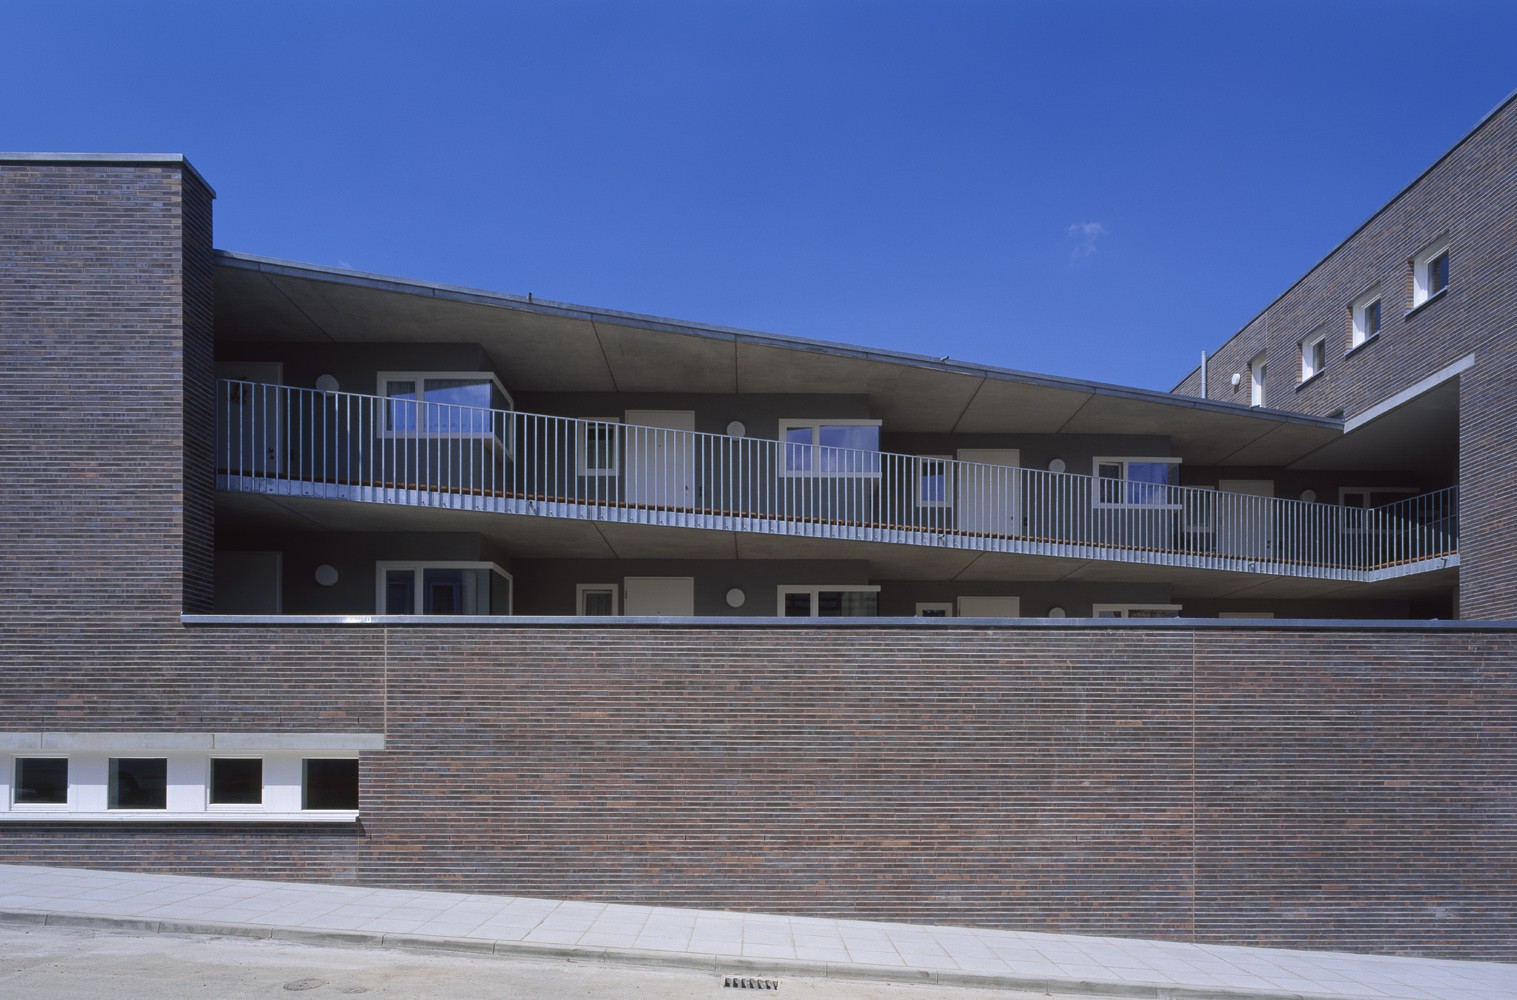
[[1203, 374]]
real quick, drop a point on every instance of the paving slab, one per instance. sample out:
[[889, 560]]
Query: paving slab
[[754, 944]]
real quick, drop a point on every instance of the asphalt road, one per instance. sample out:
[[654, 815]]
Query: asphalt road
[[57, 963]]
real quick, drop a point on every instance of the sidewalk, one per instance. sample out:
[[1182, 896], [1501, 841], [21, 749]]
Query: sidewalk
[[737, 943]]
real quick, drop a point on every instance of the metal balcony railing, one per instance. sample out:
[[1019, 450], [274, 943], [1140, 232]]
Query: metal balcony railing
[[347, 446]]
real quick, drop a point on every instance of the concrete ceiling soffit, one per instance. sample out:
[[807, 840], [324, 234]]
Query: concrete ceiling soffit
[[641, 541], [252, 307], [1001, 406], [644, 360]]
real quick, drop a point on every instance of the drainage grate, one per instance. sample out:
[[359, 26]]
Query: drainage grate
[[750, 983]]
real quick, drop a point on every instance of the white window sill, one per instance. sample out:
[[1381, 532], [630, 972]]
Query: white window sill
[[1367, 341], [1428, 301], [164, 816]]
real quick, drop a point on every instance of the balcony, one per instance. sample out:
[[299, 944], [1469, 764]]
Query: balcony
[[284, 441]]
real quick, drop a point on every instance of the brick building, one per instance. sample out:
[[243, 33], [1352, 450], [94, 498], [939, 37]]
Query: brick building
[[322, 575]]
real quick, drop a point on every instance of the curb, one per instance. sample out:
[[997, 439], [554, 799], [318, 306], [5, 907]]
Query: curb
[[704, 962]]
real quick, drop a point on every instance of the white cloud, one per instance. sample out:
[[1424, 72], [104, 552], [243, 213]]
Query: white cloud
[[1084, 235]]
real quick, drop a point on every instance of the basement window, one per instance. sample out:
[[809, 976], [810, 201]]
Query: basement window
[[330, 783], [138, 783], [41, 781], [235, 781]]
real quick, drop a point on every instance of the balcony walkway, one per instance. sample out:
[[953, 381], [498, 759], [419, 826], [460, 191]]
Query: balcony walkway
[[281, 441], [755, 945]]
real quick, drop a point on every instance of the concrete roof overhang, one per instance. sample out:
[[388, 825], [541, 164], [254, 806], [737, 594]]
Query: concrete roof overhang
[[541, 346]]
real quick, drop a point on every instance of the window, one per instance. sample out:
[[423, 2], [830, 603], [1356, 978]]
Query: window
[[1137, 482], [934, 483], [1256, 373], [41, 781], [596, 599], [845, 601], [138, 783], [597, 442], [830, 447], [1430, 273], [444, 404], [235, 781], [443, 588], [1135, 611], [944, 610], [1365, 318], [239, 778], [329, 783], [1313, 355]]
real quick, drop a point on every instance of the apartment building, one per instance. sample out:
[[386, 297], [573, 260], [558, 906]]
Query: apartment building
[[324, 575]]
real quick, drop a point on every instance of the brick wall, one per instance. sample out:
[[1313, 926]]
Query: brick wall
[[105, 272], [1312, 788]]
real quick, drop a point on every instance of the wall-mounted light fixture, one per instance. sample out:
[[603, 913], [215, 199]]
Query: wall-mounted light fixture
[[326, 575]]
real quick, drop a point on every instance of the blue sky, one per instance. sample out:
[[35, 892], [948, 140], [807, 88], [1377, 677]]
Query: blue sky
[[1096, 189]]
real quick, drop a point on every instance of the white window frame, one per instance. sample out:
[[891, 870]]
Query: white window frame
[[816, 590], [8, 786], [1258, 370], [188, 778], [581, 589], [1422, 272], [816, 424], [582, 466], [1126, 461], [1314, 344], [922, 465], [1361, 333], [1125, 610], [420, 378], [382, 569], [924, 606]]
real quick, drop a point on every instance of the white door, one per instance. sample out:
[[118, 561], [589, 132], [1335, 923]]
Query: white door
[[990, 607], [986, 494], [660, 458], [659, 595], [1245, 526], [248, 418]]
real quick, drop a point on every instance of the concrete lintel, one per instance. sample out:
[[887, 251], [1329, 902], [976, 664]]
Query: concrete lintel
[[20, 741], [126, 741], [297, 741]]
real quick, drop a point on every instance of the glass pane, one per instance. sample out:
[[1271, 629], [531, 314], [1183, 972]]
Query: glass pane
[[934, 483], [467, 409], [933, 613], [1372, 318], [797, 605], [1147, 482], [798, 449], [455, 591], [862, 454], [400, 412], [1110, 486], [400, 592], [1438, 273], [600, 448], [597, 602], [859, 604], [236, 781], [42, 781], [139, 783], [330, 784]]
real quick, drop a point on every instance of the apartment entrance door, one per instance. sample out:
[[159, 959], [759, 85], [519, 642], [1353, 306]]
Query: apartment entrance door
[[986, 493], [1246, 526], [660, 458], [248, 418], [659, 595]]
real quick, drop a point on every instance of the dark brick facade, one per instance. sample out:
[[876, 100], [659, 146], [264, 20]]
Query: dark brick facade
[[1337, 788], [105, 308], [1470, 196]]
